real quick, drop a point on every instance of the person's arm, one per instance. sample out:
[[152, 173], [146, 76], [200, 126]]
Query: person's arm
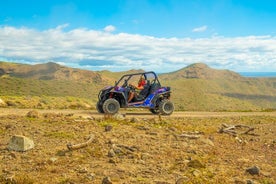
[[140, 88]]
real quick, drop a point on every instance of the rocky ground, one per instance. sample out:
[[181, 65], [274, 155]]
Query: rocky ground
[[150, 149]]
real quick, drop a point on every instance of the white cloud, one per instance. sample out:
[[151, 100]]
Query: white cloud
[[200, 29], [109, 28], [98, 50]]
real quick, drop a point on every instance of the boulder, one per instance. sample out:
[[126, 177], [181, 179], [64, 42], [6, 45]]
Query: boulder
[[20, 143], [255, 170], [2, 103]]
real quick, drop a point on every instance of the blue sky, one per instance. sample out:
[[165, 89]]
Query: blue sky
[[159, 35]]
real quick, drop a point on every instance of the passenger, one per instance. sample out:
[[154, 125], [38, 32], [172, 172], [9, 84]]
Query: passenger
[[140, 86]]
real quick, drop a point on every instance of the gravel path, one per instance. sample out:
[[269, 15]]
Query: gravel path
[[135, 113]]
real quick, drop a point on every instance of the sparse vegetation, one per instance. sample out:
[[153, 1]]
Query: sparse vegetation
[[147, 150], [151, 149], [195, 88]]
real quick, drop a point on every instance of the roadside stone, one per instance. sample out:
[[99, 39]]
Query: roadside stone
[[20, 143], [53, 159], [32, 114], [118, 116], [182, 180], [196, 173], [145, 156], [195, 164], [255, 170], [238, 181], [112, 161], [207, 141], [134, 120], [108, 128], [8, 126], [111, 153], [2, 103], [249, 182], [162, 182], [13, 155], [90, 176], [106, 180]]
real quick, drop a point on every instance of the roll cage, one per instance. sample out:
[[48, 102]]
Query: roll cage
[[150, 77]]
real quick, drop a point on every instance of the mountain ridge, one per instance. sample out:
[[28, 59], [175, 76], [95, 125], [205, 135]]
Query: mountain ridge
[[51, 70], [202, 71], [195, 87]]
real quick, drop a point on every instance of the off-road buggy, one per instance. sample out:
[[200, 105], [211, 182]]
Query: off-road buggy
[[154, 97]]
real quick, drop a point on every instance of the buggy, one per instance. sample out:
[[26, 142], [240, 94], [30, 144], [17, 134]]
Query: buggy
[[153, 97]]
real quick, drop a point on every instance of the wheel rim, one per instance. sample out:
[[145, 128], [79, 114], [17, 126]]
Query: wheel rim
[[112, 107], [168, 107]]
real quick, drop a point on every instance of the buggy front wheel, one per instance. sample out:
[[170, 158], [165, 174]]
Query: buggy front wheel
[[111, 106], [166, 107]]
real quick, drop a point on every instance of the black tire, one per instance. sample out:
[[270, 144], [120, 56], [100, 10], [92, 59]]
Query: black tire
[[99, 107], [154, 111], [166, 107], [111, 106]]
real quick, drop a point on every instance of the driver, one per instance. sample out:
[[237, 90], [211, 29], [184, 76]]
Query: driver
[[140, 86]]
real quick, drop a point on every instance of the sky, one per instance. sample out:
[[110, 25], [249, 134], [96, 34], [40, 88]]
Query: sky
[[158, 35]]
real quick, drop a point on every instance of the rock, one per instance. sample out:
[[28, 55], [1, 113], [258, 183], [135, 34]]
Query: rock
[[118, 116], [90, 176], [11, 103], [196, 173], [195, 164], [182, 180], [111, 153], [112, 161], [255, 170], [2, 103], [32, 114], [106, 180], [20, 143], [207, 141], [8, 127], [249, 182], [238, 181], [108, 128], [53, 159], [134, 120], [145, 156]]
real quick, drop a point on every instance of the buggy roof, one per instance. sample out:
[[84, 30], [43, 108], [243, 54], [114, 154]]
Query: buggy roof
[[150, 75]]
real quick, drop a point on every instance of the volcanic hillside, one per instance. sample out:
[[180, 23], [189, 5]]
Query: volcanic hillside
[[202, 71], [48, 71], [196, 87]]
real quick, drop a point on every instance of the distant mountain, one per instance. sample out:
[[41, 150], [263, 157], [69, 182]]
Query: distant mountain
[[201, 71], [196, 87], [48, 71]]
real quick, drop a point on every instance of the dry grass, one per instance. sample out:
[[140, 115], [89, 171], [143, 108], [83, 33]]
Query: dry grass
[[150, 150]]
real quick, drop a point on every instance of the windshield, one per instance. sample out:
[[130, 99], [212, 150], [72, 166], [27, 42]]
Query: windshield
[[134, 78]]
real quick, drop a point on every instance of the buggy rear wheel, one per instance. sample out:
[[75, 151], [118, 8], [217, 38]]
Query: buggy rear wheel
[[99, 107], [111, 106], [166, 107]]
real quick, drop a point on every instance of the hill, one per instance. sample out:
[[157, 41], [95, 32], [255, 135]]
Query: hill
[[195, 87], [49, 71], [201, 71]]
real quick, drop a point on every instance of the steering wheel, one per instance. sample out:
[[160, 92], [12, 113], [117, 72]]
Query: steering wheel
[[131, 87], [125, 84]]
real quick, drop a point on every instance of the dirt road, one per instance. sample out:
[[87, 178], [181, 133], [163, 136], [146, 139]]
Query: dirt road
[[137, 113]]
